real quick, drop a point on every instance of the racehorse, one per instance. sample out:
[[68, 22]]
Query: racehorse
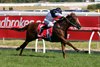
[[59, 33]]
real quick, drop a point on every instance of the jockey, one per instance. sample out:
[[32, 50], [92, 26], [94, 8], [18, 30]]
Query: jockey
[[50, 19]]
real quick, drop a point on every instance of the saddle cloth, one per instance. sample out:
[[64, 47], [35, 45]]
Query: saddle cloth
[[47, 33]]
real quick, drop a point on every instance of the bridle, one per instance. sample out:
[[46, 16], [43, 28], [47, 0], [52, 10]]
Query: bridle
[[69, 20], [73, 21]]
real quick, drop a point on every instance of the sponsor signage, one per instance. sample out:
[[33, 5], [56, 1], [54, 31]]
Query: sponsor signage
[[89, 22]]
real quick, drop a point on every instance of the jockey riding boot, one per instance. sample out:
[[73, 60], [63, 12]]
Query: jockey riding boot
[[41, 30]]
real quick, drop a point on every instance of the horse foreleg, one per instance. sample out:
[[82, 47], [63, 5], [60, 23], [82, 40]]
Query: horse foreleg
[[63, 49], [22, 47], [68, 43]]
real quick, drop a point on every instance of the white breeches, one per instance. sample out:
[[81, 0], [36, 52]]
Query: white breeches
[[48, 23]]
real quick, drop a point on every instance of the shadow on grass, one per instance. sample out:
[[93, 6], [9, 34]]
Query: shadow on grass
[[44, 55], [41, 56]]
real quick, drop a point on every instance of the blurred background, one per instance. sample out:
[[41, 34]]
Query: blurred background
[[45, 5]]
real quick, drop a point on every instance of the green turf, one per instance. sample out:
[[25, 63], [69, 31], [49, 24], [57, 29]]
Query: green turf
[[10, 58]]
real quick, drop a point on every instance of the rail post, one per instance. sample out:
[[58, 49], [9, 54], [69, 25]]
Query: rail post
[[36, 47], [91, 37]]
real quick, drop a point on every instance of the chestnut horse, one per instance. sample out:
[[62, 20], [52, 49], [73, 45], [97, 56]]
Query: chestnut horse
[[59, 33]]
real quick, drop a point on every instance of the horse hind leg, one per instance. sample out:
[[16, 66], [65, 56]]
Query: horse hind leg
[[63, 49], [22, 47], [18, 48]]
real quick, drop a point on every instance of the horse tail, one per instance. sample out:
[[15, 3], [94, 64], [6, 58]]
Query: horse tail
[[20, 29]]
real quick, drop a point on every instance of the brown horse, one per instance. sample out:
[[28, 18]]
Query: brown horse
[[59, 33]]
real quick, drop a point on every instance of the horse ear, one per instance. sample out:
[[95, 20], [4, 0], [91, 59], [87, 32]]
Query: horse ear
[[68, 15], [72, 13]]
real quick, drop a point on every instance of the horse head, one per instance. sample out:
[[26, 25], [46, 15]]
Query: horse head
[[73, 20]]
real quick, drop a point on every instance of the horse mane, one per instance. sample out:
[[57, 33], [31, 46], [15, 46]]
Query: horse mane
[[62, 23], [68, 16], [60, 20]]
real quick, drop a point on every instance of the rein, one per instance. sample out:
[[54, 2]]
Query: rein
[[61, 20], [57, 24], [71, 23]]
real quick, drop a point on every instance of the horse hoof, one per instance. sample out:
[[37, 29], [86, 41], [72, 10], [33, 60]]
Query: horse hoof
[[85, 51], [64, 57], [20, 54], [77, 50], [18, 48]]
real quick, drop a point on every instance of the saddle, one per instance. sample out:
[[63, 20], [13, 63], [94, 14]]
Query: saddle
[[47, 33]]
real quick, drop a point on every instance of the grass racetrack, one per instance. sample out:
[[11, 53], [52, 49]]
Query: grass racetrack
[[10, 58]]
